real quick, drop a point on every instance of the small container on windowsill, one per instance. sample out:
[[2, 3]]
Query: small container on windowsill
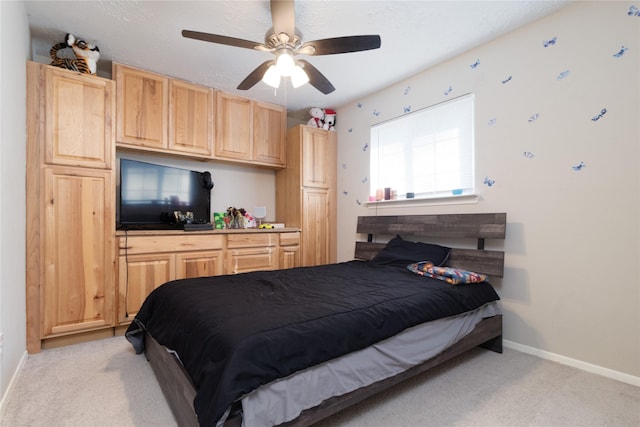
[[411, 195]]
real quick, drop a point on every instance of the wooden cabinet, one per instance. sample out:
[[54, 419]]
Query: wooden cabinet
[[142, 105], [78, 117], [78, 285], [156, 113], [70, 285], [160, 114], [269, 134], [233, 139], [190, 118], [289, 250], [249, 131], [306, 194], [138, 275], [147, 260]]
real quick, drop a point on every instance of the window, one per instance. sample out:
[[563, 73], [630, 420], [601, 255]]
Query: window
[[428, 152]]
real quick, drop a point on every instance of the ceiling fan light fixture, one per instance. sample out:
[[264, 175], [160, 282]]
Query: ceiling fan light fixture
[[299, 77], [285, 63], [272, 77]]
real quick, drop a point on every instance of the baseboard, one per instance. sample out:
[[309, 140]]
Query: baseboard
[[578, 364], [12, 383]]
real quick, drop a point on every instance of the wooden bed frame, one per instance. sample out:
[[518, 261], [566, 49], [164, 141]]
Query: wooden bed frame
[[180, 392]]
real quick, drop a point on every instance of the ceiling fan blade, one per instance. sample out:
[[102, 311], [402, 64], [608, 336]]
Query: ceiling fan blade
[[316, 78], [283, 17], [341, 45], [215, 38], [255, 76]]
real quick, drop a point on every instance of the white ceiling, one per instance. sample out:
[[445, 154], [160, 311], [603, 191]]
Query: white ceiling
[[147, 34]]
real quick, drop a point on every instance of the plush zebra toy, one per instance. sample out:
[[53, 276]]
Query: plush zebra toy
[[87, 54]]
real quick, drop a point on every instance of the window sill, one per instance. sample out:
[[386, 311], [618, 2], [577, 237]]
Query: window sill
[[435, 201]]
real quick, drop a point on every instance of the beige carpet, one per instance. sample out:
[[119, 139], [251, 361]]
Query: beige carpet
[[103, 383]]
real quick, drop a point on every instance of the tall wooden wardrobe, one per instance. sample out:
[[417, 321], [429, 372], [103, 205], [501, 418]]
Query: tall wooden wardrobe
[[306, 192], [70, 197]]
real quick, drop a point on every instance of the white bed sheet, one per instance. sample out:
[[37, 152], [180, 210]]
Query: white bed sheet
[[284, 399]]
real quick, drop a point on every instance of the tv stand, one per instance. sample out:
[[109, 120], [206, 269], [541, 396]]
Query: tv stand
[[149, 258]]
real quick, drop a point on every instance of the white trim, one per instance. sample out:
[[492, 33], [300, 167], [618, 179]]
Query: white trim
[[398, 203], [12, 384], [578, 364]]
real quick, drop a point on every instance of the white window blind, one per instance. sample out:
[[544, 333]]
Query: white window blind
[[428, 152]]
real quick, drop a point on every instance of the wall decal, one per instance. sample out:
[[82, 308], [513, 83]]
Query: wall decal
[[620, 52], [528, 155], [407, 90], [475, 64], [350, 130], [599, 115], [406, 109], [533, 118], [345, 192], [365, 147], [633, 11], [359, 104], [579, 167], [547, 43], [507, 80], [344, 166], [365, 180], [358, 202], [489, 181], [492, 121], [563, 74], [376, 113], [448, 91]]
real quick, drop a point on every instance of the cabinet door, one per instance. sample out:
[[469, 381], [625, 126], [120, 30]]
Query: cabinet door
[[318, 157], [233, 127], [138, 275], [289, 257], [78, 289], [289, 250], [79, 119], [142, 102], [316, 226], [199, 264], [269, 129], [190, 118]]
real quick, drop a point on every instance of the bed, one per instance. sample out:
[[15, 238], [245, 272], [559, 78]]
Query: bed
[[291, 347]]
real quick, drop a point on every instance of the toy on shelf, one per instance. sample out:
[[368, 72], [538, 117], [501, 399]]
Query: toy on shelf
[[317, 117], [87, 55], [329, 119]]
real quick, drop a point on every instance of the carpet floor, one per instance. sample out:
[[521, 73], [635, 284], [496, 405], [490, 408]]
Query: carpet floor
[[103, 383]]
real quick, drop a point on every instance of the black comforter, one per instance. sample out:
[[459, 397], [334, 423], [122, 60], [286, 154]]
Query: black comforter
[[235, 333]]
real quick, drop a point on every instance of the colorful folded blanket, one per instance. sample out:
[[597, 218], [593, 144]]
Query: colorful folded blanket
[[450, 275]]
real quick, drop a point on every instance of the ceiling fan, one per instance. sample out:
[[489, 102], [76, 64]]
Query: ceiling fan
[[285, 44]]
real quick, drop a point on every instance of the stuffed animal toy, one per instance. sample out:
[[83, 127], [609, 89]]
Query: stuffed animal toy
[[317, 117], [87, 55], [329, 119]]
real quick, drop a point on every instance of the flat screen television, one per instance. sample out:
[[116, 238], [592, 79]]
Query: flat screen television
[[150, 194]]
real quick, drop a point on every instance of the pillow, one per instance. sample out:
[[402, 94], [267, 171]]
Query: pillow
[[453, 276], [399, 252]]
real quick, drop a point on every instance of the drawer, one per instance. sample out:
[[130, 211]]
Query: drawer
[[252, 259], [251, 240], [289, 239], [177, 243]]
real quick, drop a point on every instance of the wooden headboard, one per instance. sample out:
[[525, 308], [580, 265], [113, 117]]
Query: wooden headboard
[[449, 226]]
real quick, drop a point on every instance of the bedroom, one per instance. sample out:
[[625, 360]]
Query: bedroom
[[567, 228]]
